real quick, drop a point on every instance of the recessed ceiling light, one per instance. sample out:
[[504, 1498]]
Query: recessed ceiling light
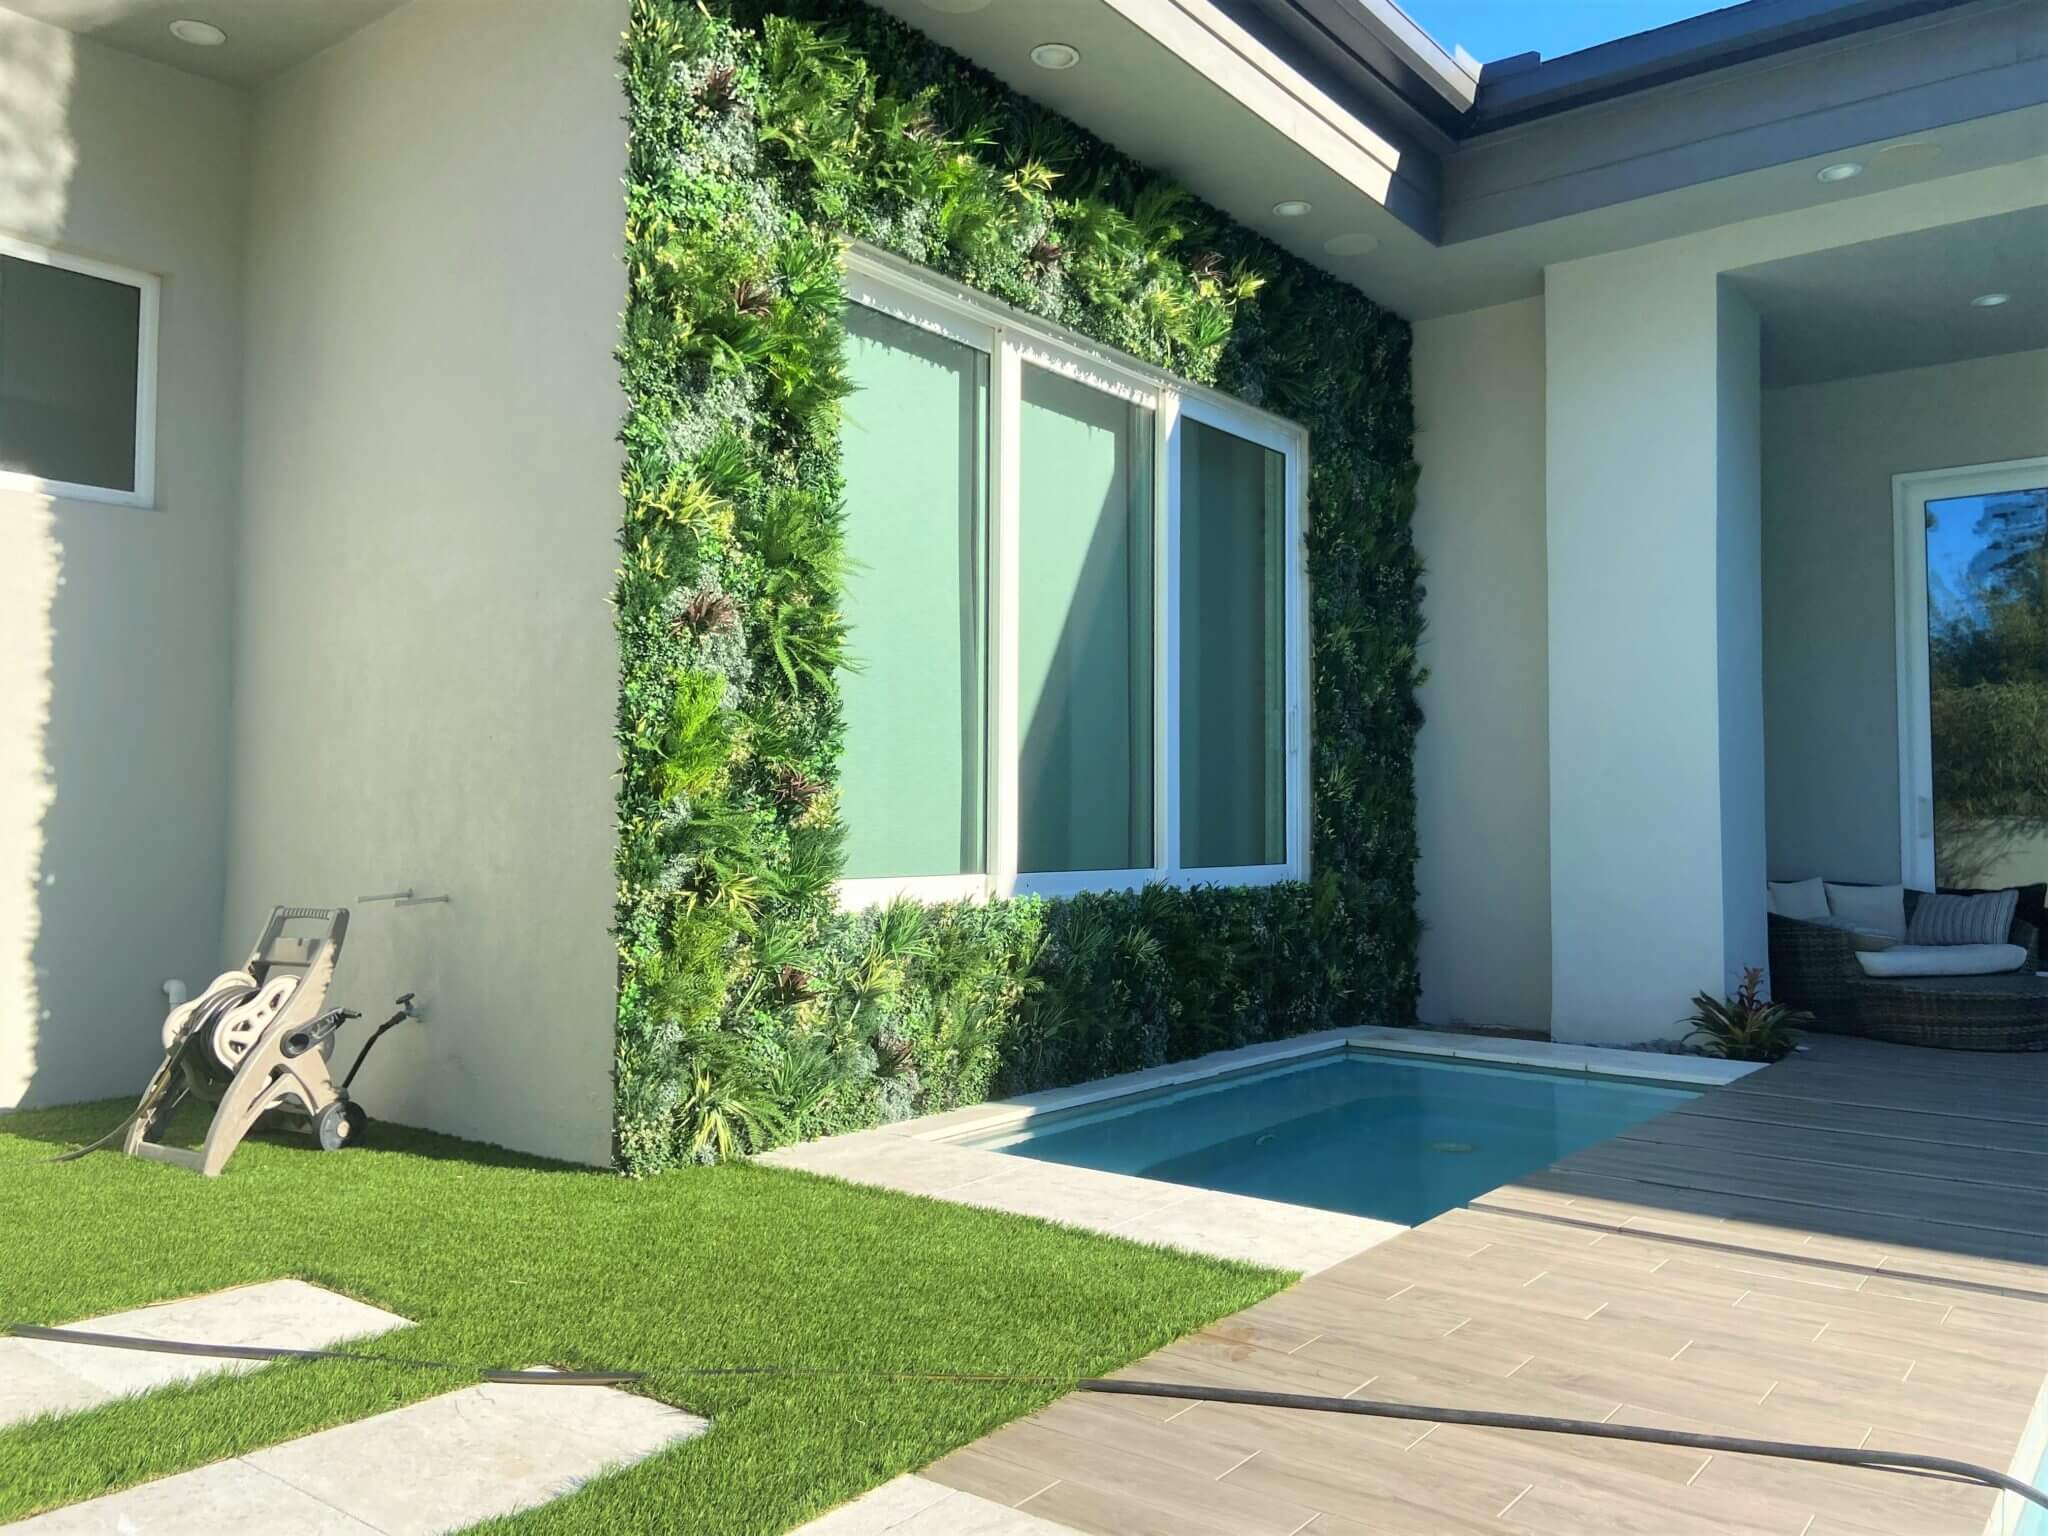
[[1360, 244], [200, 34], [1842, 170], [1055, 55], [1990, 300], [1292, 208]]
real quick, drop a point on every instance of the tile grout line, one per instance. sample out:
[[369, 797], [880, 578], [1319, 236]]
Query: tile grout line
[[1048, 1488], [1230, 1469]]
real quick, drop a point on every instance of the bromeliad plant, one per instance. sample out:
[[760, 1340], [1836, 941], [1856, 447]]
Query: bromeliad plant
[[1746, 1027], [763, 135]]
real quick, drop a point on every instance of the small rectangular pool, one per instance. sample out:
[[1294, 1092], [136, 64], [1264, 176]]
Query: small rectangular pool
[[1399, 1139]]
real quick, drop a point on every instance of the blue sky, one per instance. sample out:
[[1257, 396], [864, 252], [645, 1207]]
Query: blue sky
[[1494, 29]]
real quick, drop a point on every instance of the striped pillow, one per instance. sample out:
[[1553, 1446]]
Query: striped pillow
[[1963, 919]]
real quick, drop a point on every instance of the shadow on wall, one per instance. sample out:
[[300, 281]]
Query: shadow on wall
[[1990, 853], [114, 620]]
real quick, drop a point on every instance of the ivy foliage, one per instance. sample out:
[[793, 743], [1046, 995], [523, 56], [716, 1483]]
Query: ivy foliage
[[763, 136]]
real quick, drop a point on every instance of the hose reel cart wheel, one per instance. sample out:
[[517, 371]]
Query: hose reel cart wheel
[[339, 1125]]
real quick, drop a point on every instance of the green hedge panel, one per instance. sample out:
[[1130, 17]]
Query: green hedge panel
[[751, 1012]]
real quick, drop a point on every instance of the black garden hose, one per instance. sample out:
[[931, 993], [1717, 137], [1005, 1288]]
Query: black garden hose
[[1911, 1463]]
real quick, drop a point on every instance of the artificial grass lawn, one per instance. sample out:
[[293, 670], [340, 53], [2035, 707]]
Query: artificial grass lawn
[[507, 1261]]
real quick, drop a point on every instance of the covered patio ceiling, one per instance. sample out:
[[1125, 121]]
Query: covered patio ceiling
[[1418, 190], [1910, 301], [264, 37]]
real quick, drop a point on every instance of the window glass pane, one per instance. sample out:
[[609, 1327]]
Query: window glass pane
[[1233, 696], [1987, 651], [1084, 629], [915, 456], [67, 374]]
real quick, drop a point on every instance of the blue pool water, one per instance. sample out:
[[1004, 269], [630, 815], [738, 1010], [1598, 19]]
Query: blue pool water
[[2033, 1518], [1399, 1139]]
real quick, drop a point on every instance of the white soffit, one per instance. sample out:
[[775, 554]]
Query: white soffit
[[264, 37]]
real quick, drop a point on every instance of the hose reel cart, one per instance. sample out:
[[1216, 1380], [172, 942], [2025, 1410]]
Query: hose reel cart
[[256, 1043]]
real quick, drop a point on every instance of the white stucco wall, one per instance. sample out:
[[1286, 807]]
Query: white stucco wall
[[115, 622], [1635, 670], [1654, 842], [1482, 762], [1738, 573], [1830, 667], [426, 678]]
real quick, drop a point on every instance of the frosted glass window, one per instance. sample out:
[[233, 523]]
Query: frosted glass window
[[915, 456], [1233, 695], [68, 349], [1084, 628]]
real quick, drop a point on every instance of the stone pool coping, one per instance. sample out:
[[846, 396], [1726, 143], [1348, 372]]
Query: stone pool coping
[[925, 1157]]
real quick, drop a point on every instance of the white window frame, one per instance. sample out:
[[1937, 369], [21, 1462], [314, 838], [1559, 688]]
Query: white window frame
[[151, 289], [1910, 495], [1012, 340]]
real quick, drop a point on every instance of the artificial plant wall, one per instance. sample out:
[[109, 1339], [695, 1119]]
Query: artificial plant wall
[[763, 135]]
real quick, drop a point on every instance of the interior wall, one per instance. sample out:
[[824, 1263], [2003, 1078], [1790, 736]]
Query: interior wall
[[115, 622], [1830, 660], [1482, 760], [426, 679]]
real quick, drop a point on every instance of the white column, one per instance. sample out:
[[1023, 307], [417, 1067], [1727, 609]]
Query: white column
[[1656, 779]]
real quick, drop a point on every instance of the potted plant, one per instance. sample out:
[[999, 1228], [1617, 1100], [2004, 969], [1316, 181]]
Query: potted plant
[[1745, 1027]]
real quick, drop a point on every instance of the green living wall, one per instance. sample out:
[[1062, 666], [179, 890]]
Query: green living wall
[[751, 1011]]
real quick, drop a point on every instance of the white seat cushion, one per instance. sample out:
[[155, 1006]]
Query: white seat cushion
[[1942, 960], [1874, 908]]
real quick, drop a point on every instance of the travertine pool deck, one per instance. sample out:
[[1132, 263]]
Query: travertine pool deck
[[919, 1157], [1850, 1247]]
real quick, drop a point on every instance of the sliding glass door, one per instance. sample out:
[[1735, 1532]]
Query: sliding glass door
[[1973, 671]]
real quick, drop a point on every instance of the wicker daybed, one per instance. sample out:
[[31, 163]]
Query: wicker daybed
[[1813, 968]]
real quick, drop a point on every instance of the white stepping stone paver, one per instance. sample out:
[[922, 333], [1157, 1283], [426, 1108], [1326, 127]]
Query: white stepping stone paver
[[917, 1506], [38, 1376], [433, 1466]]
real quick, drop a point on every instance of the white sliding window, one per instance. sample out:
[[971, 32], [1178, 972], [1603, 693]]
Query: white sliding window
[[77, 376], [1076, 611], [1084, 628], [914, 446], [1232, 649]]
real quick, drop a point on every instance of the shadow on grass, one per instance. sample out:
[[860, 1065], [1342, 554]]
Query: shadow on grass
[[65, 1127]]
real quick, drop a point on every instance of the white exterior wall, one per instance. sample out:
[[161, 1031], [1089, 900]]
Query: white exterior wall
[[1482, 761], [1636, 841], [1830, 666], [1655, 674], [426, 677], [1739, 633], [116, 622]]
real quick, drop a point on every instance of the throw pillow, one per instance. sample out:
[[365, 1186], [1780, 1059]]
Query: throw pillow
[[2033, 903], [1963, 919], [1806, 899], [1879, 908]]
